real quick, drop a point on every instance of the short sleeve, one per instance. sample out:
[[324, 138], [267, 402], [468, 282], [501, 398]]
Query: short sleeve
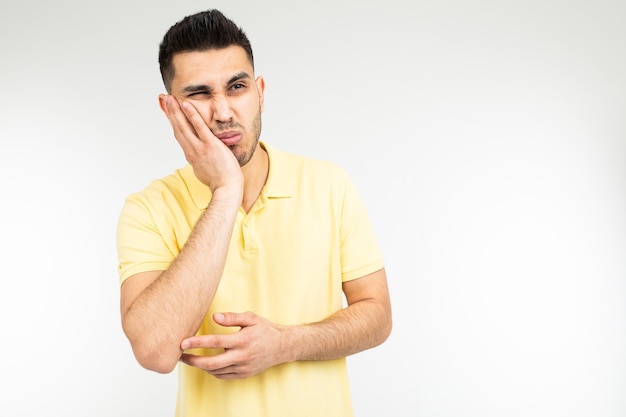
[[360, 253], [141, 246]]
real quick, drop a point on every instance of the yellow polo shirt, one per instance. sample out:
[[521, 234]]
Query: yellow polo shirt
[[307, 233]]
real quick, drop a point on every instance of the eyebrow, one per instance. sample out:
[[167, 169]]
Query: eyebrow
[[204, 88]]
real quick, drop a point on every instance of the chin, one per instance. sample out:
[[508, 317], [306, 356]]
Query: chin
[[244, 155]]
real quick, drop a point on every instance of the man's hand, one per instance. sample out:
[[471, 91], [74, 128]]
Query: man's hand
[[213, 163], [257, 346]]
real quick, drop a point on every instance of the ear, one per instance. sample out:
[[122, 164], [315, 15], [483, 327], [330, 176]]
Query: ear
[[260, 86], [163, 103]]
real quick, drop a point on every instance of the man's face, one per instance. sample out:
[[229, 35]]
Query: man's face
[[220, 84]]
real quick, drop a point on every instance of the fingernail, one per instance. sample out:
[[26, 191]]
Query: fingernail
[[219, 317], [185, 344]]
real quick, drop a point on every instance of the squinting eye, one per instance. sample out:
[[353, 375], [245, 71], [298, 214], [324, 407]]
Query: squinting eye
[[238, 86]]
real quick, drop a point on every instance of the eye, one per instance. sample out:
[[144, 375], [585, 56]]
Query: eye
[[199, 93], [238, 86]]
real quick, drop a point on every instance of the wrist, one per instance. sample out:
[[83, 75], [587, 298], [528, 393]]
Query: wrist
[[291, 337], [231, 194]]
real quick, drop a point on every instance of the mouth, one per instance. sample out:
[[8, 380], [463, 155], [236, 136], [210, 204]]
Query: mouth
[[229, 138]]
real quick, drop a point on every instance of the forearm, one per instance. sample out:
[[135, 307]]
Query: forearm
[[173, 306], [360, 326]]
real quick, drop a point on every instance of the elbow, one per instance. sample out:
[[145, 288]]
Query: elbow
[[385, 328], [154, 359], [387, 331], [155, 355], [160, 367]]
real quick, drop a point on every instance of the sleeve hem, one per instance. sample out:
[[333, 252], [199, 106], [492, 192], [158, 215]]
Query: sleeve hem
[[361, 272], [143, 267]]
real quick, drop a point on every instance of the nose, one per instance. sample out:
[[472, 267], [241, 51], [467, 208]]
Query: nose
[[221, 109]]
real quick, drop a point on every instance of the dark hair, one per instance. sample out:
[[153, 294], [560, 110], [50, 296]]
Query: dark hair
[[199, 32]]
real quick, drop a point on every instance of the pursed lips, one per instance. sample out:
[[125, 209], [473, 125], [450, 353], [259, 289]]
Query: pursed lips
[[229, 138]]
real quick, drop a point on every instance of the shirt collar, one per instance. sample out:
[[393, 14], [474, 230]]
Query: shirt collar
[[281, 183]]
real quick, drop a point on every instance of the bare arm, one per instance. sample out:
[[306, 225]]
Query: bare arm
[[161, 308], [364, 323]]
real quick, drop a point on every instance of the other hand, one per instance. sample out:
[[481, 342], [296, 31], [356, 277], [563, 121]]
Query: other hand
[[257, 346]]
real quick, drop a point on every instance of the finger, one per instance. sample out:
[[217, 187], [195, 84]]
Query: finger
[[230, 376], [230, 372], [214, 341], [236, 319], [198, 123], [212, 364], [172, 111], [184, 132]]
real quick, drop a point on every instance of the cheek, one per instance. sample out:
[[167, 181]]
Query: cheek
[[252, 106], [204, 109], [244, 108]]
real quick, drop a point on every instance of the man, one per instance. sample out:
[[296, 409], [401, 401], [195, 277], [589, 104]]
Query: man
[[234, 267]]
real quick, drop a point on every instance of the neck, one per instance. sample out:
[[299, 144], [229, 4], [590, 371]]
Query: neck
[[254, 176]]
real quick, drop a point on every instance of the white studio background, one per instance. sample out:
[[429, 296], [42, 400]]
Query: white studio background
[[487, 138]]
